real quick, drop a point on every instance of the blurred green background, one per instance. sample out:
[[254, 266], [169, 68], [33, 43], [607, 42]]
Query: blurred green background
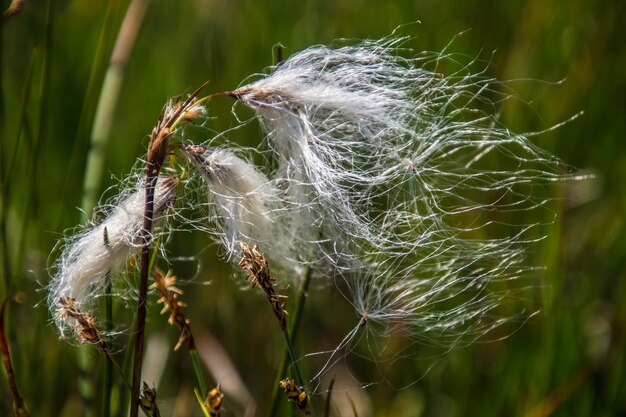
[[566, 361]]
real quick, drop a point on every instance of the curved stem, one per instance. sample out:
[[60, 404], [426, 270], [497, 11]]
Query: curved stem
[[293, 330]]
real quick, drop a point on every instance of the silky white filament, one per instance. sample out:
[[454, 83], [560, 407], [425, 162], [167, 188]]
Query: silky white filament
[[389, 177], [422, 202], [243, 204], [87, 258]]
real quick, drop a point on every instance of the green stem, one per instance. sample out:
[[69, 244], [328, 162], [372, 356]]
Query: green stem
[[107, 383], [85, 122], [102, 122], [124, 404], [197, 367], [5, 186], [293, 330], [107, 102], [120, 373], [114, 365], [85, 385], [293, 358]]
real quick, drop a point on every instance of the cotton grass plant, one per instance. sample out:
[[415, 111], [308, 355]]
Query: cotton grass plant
[[389, 155], [103, 249], [384, 178], [243, 202]]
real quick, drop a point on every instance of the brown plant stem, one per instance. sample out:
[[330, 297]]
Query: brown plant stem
[[143, 285], [19, 406], [157, 152]]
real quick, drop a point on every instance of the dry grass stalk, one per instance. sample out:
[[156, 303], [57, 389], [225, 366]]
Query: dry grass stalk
[[258, 269], [19, 405], [296, 394], [168, 296], [83, 323], [158, 149]]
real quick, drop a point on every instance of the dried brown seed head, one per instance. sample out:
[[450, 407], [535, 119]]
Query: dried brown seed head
[[168, 296], [258, 269], [296, 394], [148, 399], [83, 323], [213, 402]]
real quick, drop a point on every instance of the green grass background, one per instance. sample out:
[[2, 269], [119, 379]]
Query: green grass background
[[571, 355]]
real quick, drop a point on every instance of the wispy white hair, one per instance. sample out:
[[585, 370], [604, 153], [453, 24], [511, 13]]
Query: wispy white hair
[[242, 200], [80, 271], [410, 173], [245, 206]]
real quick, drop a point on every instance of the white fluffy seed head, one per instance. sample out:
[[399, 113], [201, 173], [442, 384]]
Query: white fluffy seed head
[[80, 271], [243, 203], [425, 203]]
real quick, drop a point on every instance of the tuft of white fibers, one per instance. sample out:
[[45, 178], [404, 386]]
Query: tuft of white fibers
[[89, 256], [243, 204], [424, 204]]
